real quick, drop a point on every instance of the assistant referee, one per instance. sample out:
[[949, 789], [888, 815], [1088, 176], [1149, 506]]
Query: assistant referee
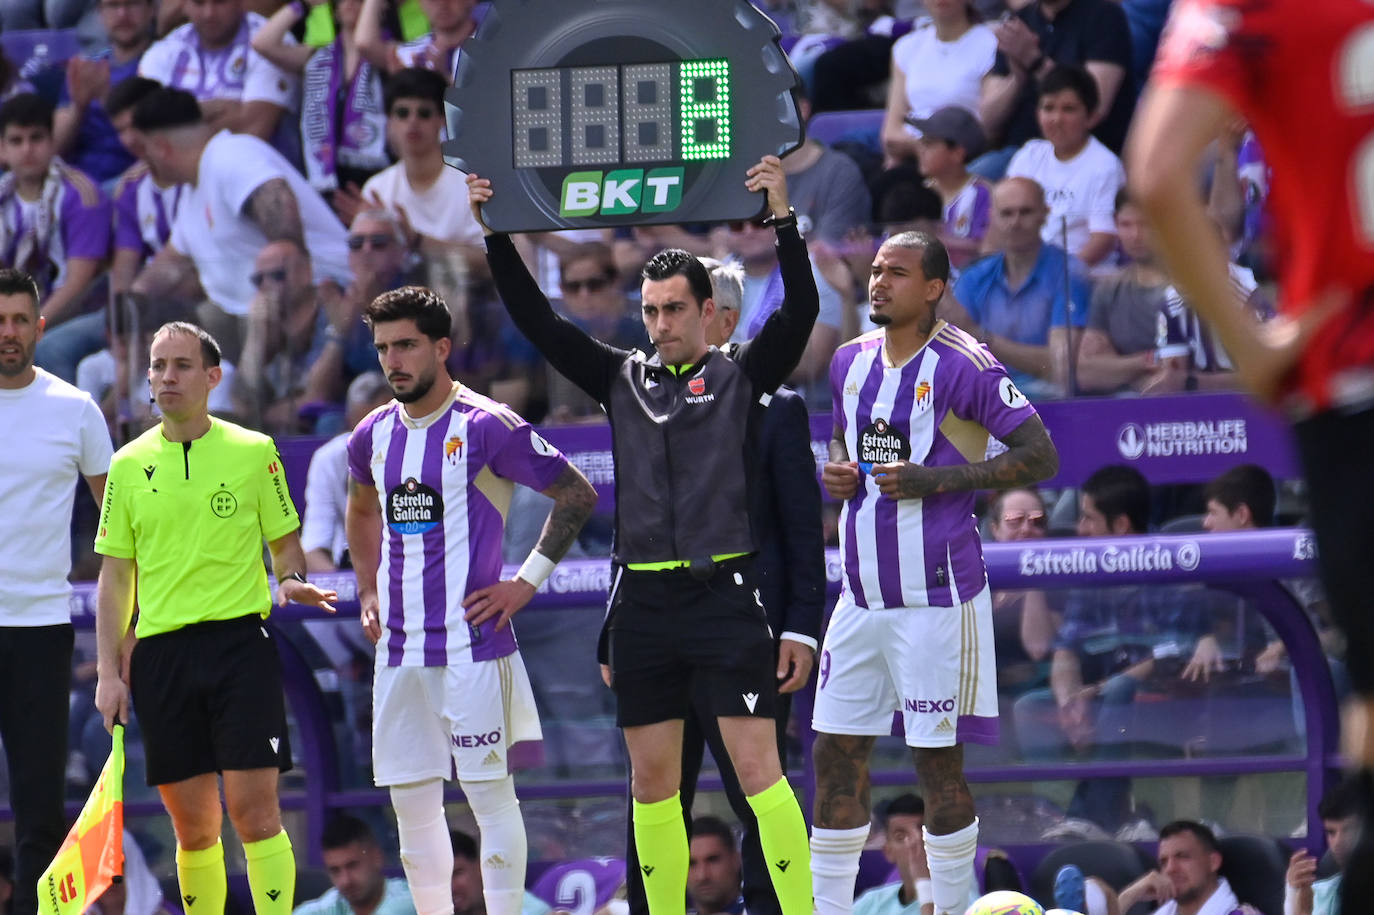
[[186, 509], [684, 611]]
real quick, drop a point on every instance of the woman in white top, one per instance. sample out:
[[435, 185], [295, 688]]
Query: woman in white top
[[942, 62]]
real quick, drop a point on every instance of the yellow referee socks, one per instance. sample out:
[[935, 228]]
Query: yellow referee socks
[[271, 874], [200, 875], [661, 839], [782, 833]]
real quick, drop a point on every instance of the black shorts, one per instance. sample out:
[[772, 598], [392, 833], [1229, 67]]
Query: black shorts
[[209, 698], [668, 634]]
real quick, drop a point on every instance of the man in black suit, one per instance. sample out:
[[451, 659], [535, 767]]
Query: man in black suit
[[790, 568]]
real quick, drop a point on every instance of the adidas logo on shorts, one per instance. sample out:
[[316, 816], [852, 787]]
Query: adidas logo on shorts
[[944, 727], [492, 758], [495, 861]]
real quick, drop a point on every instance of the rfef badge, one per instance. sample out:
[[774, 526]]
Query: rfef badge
[[603, 113]]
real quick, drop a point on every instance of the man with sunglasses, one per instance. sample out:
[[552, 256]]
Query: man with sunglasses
[[428, 196], [684, 609], [290, 325]]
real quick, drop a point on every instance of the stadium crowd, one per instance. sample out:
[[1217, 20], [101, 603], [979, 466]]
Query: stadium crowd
[[268, 170]]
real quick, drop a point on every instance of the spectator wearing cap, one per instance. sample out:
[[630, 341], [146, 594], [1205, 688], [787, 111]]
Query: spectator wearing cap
[[242, 195], [938, 64], [950, 137], [1021, 300], [1080, 176]]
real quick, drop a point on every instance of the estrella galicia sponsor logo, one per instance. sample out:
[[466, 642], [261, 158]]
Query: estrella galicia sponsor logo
[[928, 706], [413, 508], [489, 739], [223, 503], [881, 443], [1144, 557], [622, 192], [1182, 439]]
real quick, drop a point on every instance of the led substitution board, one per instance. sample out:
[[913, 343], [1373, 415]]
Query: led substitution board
[[603, 113]]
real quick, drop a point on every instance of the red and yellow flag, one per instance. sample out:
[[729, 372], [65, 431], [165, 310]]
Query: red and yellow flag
[[92, 857]]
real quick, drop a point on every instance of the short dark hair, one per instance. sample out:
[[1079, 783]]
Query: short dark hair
[[165, 108], [597, 251], [422, 305], [1245, 484], [713, 826], [934, 256], [1075, 79], [1123, 200], [677, 262], [1204, 835], [464, 845], [344, 830], [17, 282], [127, 93], [417, 83], [904, 805], [209, 347], [1341, 801], [27, 109], [1119, 490]]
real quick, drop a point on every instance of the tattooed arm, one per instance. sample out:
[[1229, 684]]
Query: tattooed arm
[[573, 502], [1030, 457], [274, 210]]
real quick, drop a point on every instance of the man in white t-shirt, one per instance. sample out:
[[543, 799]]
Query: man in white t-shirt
[[53, 433], [240, 195], [1080, 176], [212, 58], [421, 190]]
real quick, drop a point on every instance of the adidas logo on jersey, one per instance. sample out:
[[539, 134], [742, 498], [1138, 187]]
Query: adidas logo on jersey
[[751, 700], [496, 861], [492, 758], [851, 389], [944, 727]]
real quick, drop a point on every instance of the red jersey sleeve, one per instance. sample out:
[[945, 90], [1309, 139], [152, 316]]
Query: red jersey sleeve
[[1213, 44]]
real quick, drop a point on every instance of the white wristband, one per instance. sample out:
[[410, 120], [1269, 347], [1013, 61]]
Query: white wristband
[[536, 568], [924, 894]]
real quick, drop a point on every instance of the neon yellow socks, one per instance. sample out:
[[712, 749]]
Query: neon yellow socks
[[661, 839], [271, 874], [782, 833], [200, 875]]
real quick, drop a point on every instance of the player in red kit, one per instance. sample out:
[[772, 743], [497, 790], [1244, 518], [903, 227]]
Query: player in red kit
[[1302, 74]]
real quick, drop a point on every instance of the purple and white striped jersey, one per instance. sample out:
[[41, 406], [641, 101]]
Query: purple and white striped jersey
[[967, 215], [938, 409], [445, 484]]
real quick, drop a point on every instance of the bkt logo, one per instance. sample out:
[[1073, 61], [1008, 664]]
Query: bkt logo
[[628, 190], [477, 740], [928, 706]]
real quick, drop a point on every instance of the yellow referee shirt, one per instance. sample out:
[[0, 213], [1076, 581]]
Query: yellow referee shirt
[[193, 516]]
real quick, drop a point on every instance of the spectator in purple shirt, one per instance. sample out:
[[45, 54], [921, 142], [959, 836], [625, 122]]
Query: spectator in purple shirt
[[950, 137], [55, 225], [81, 127]]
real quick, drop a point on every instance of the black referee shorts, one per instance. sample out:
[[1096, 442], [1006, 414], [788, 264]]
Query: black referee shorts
[[209, 698], [668, 633]]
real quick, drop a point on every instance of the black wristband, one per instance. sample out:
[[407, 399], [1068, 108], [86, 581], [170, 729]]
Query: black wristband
[[295, 576], [780, 221]]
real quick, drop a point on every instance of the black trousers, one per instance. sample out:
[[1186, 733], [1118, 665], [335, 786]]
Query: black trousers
[[700, 730], [1333, 447], [35, 683]]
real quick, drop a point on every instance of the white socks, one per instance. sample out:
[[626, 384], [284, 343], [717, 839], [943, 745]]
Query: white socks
[[835, 868], [504, 847], [951, 867], [426, 849]]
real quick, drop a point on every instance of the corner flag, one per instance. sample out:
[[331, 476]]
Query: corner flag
[[92, 856]]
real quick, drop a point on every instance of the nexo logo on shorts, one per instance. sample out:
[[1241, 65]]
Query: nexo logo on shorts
[[491, 738], [223, 503], [928, 706]]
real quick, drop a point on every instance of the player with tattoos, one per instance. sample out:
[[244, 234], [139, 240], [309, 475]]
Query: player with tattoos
[[240, 195], [916, 404], [430, 480]]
